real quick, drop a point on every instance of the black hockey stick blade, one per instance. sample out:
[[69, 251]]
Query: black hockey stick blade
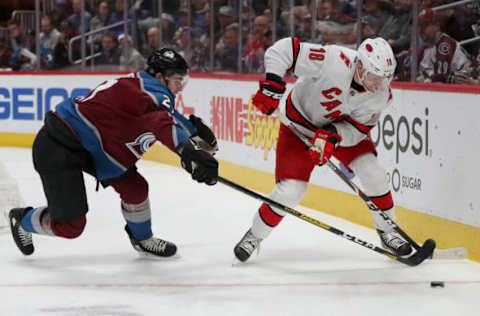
[[424, 252]]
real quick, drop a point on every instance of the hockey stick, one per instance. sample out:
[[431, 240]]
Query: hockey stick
[[451, 253], [418, 257]]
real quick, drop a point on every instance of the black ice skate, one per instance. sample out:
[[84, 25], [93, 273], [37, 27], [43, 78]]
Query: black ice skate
[[245, 247], [22, 238], [394, 242], [153, 246]]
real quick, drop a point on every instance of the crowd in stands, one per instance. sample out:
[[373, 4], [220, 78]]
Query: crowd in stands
[[243, 30]]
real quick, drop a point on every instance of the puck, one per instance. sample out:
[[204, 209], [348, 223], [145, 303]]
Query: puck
[[437, 284]]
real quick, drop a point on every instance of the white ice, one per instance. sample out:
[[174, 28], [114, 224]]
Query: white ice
[[301, 269]]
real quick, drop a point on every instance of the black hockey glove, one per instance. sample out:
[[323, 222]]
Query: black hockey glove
[[203, 137], [200, 164]]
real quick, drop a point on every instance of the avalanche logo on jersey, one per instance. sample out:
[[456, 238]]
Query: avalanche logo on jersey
[[141, 144], [444, 48]]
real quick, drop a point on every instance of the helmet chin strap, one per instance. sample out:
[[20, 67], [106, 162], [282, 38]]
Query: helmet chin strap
[[360, 77]]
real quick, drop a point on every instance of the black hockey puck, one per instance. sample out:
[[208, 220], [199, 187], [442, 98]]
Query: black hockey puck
[[437, 284]]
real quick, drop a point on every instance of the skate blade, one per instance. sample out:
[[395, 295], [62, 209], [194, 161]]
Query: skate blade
[[450, 253], [238, 263], [149, 256]]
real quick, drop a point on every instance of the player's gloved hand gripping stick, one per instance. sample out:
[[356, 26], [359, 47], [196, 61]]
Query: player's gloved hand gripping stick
[[203, 137], [197, 154], [269, 93], [429, 245]]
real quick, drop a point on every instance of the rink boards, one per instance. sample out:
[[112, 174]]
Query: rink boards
[[427, 142]]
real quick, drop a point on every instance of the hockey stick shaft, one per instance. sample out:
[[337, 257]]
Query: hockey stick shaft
[[352, 185], [370, 204], [413, 260]]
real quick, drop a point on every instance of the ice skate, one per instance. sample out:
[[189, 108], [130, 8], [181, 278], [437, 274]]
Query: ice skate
[[22, 238], [152, 247], [395, 243], [245, 247]]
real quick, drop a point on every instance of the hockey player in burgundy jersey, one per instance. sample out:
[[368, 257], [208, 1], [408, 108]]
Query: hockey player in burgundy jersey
[[443, 55], [104, 134], [336, 101]]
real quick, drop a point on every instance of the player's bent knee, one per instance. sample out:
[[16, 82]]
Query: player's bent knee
[[133, 189], [289, 192], [371, 174], [71, 229]]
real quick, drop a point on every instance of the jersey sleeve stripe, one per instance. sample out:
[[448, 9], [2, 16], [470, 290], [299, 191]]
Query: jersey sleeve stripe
[[142, 87], [365, 129], [296, 51], [295, 116]]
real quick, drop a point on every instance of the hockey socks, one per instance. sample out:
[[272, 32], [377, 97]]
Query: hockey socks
[[32, 221], [138, 217]]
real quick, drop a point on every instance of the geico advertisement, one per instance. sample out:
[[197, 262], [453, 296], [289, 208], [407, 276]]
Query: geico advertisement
[[24, 99]]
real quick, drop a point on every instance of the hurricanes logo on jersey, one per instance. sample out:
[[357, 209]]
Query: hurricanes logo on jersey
[[141, 144]]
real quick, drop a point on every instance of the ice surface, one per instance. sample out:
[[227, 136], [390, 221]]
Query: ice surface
[[301, 269]]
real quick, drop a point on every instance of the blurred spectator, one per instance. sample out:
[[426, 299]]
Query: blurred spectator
[[48, 40], [397, 28], [166, 22], [24, 58], [227, 53], [333, 26], [370, 27], [5, 55], [377, 9], [153, 41], [330, 10], [457, 22], [255, 47], [404, 63], [22, 44], [462, 78], [109, 53], [301, 21], [226, 16], [15, 32], [181, 18], [133, 61], [67, 31], [60, 13], [349, 7], [117, 16], [76, 17], [100, 20], [198, 10], [196, 52], [443, 55]]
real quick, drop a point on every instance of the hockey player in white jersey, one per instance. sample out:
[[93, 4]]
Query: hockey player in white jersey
[[335, 102]]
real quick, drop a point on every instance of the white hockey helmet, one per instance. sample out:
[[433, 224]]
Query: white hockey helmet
[[377, 57]]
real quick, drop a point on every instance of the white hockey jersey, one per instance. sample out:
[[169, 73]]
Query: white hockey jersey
[[323, 92]]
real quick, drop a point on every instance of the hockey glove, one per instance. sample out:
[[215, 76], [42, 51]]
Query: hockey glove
[[200, 164], [203, 136], [269, 94], [324, 143]]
